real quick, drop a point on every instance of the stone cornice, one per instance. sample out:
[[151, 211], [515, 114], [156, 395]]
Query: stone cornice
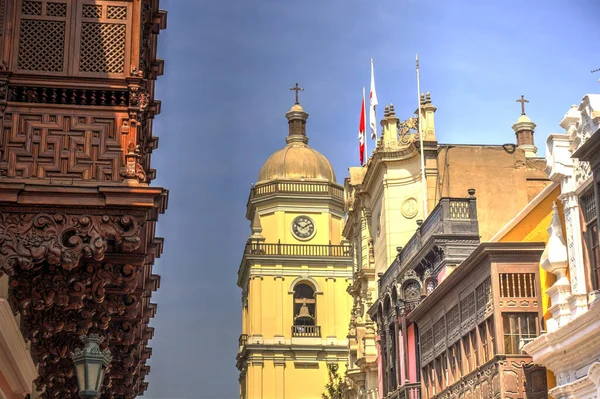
[[589, 150], [571, 346], [379, 160], [313, 272]]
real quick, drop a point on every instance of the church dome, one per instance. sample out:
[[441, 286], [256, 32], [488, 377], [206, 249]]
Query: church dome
[[297, 160]]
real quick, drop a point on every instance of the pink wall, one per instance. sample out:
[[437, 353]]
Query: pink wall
[[6, 390], [401, 356], [412, 355], [379, 370]]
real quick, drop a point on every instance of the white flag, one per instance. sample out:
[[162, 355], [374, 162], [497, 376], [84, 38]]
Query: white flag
[[372, 104]]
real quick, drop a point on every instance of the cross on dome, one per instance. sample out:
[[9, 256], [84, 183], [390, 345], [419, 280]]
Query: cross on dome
[[297, 89], [522, 101]]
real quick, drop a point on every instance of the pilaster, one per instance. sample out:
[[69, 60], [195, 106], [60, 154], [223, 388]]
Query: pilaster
[[257, 378], [279, 295], [279, 365], [256, 307], [574, 238], [330, 328]]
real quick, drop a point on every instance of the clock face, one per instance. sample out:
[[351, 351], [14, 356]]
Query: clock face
[[303, 227]]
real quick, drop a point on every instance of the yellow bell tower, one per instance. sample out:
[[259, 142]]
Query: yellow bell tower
[[294, 274]]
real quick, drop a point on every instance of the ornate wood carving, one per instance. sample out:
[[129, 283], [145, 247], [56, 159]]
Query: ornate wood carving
[[64, 146], [62, 239], [81, 270]]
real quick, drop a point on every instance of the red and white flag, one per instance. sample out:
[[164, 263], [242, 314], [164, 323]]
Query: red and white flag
[[372, 104], [362, 127]]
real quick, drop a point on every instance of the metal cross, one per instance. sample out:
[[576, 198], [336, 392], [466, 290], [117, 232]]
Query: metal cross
[[297, 89], [522, 101]]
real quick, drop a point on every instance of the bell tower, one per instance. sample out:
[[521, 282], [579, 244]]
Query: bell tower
[[294, 273]]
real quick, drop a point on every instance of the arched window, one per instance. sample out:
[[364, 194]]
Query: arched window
[[304, 305]]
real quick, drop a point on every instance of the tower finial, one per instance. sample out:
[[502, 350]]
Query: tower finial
[[522, 101], [297, 89]]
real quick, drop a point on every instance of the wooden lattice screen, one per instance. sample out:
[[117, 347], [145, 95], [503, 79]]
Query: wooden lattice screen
[[67, 37]]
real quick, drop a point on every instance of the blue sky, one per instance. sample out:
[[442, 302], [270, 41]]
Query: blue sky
[[228, 68]]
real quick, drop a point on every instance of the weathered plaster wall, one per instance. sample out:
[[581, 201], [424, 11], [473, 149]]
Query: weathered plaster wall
[[500, 178]]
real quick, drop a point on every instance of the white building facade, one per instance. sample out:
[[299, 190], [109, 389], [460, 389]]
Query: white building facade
[[570, 347]]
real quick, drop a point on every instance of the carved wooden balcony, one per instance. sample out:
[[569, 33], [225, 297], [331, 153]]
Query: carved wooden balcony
[[451, 218], [306, 331], [406, 391]]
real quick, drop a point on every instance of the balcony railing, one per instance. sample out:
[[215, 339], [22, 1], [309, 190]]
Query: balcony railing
[[451, 216], [259, 248], [306, 331], [276, 187], [410, 391]]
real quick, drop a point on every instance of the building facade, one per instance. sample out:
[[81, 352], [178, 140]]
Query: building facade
[[384, 204], [77, 211], [472, 328], [571, 344], [294, 273]]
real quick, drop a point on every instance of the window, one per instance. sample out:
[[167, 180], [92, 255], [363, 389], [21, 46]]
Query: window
[[444, 361], [468, 357], [588, 206], [519, 329], [492, 333], [102, 30], [475, 346], [453, 375], [459, 365], [483, 337]]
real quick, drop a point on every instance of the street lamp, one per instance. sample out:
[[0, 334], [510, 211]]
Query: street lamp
[[90, 366]]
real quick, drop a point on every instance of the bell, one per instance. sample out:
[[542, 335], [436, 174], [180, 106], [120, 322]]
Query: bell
[[304, 313]]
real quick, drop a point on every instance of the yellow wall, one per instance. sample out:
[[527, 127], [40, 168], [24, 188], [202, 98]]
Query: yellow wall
[[277, 226], [279, 365], [534, 228], [270, 303]]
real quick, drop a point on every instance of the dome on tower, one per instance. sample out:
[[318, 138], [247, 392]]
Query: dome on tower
[[297, 160]]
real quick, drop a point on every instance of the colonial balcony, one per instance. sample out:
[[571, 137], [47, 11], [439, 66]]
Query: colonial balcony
[[242, 342], [300, 250], [452, 218], [306, 331], [407, 391]]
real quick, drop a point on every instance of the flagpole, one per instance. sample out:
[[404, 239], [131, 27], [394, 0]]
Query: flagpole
[[424, 183], [365, 126]]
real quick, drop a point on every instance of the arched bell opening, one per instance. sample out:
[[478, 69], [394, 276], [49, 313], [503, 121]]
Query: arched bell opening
[[304, 305]]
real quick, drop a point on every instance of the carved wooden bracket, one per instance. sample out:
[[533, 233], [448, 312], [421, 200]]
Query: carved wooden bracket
[[27, 240]]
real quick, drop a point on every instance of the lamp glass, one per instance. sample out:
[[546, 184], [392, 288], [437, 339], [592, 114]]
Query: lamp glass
[[80, 373], [93, 369], [100, 378]]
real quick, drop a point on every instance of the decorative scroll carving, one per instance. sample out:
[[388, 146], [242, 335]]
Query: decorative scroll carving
[[133, 168], [27, 240]]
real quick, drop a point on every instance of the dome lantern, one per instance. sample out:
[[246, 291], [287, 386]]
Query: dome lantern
[[297, 161]]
